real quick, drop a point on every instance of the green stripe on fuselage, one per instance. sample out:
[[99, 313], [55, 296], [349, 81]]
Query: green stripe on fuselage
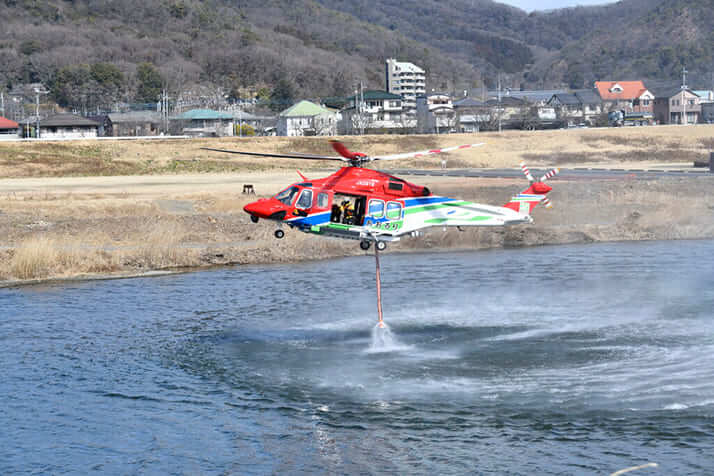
[[434, 206], [438, 221]]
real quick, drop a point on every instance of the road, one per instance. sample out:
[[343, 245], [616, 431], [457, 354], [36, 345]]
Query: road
[[268, 183], [578, 173]]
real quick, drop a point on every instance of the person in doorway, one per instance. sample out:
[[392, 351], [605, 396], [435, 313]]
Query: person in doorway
[[348, 212]]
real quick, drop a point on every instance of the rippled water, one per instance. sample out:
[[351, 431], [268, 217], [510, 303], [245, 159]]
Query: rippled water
[[554, 360]]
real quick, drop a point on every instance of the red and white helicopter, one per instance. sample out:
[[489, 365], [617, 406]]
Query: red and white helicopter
[[375, 207]]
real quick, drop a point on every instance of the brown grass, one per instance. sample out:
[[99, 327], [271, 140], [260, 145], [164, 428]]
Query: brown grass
[[35, 258], [41, 257]]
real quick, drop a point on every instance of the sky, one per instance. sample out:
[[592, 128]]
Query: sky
[[530, 5]]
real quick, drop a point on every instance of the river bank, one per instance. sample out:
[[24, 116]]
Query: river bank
[[124, 226]]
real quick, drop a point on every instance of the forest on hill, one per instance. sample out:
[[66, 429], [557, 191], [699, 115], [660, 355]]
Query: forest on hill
[[92, 53]]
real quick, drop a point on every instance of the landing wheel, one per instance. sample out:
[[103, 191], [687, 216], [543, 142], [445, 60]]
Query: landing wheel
[[381, 245], [364, 244], [279, 234], [254, 219]]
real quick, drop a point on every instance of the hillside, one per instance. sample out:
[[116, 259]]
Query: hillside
[[655, 44], [93, 53]]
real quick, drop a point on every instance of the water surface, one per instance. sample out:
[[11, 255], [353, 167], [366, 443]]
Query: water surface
[[553, 360]]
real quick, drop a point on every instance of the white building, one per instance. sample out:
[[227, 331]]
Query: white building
[[406, 79], [306, 118], [67, 126], [375, 111], [435, 114]]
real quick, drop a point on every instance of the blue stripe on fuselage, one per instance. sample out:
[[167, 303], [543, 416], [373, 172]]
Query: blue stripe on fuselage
[[411, 202], [311, 220]]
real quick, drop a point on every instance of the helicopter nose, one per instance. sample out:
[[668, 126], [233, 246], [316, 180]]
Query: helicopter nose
[[270, 209]]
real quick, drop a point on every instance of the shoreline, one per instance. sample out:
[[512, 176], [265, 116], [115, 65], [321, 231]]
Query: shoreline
[[9, 284]]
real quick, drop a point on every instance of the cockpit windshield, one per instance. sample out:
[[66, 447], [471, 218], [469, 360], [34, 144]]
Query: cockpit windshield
[[288, 195]]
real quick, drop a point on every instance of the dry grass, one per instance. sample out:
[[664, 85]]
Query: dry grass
[[161, 248], [41, 257], [35, 258]]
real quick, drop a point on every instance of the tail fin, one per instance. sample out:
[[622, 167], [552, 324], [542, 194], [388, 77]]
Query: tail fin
[[525, 202]]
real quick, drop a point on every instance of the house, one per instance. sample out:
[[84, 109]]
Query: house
[[629, 96], [134, 123], [67, 126], [306, 118], [435, 114], [470, 114], [507, 113], [677, 106], [203, 123], [9, 129], [579, 107], [251, 124], [407, 80], [374, 111]]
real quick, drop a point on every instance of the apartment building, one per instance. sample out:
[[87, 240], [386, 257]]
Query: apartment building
[[407, 80]]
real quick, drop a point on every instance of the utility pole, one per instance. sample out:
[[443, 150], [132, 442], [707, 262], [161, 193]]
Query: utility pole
[[684, 102], [38, 91], [164, 105], [361, 105], [2, 103], [499, 102]]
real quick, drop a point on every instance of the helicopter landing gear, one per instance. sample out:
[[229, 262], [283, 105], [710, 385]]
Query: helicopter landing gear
[[254, 219], [364, 244], [279, 234], [380, 245]]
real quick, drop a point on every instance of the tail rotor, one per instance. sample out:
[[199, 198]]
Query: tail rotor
[[534, 194]]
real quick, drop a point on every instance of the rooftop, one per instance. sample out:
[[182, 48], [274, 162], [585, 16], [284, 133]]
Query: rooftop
[[614, 90], [404, 67], [376, 94], [303, 108], [134, 116], [8, 124], [468, 102], [203, 115], [567, 98], [67, 120]]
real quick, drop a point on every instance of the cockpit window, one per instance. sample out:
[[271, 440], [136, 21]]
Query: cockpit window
[[287, 195], [305, 200]]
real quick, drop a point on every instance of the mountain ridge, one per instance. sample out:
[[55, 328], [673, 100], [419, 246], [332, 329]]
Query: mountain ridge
[[90, 52]]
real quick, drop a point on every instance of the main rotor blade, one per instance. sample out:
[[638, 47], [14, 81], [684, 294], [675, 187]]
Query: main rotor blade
[[280, 156], [422, 153], [345, 152]]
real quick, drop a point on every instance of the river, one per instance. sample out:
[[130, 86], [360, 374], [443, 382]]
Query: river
[[552, 360]]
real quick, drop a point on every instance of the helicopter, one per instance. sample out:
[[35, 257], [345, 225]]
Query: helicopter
[[371, 206]]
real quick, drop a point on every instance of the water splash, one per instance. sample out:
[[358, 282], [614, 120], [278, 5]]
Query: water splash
[[384, 341]]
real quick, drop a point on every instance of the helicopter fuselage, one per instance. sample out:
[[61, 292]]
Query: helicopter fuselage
[[369, 205]]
